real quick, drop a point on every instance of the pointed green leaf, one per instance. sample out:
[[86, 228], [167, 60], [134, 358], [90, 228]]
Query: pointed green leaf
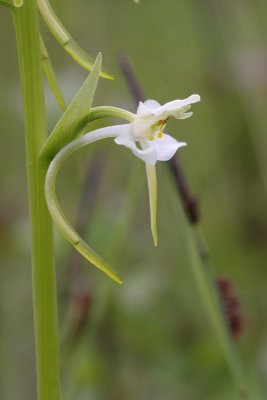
[[152, 190], [74, 120], [51, 76]]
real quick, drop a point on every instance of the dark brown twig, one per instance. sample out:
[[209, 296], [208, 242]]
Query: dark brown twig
[[190, 203], [135, 89]]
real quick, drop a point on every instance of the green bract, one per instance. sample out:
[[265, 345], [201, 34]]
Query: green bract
[[75, 119]]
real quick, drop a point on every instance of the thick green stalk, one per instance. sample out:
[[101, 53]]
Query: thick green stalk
[[44, 285]]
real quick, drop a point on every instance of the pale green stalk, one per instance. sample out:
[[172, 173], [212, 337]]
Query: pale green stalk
[[110, 112], [44, 283]]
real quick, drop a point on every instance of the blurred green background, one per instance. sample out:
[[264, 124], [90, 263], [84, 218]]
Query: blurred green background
[[150, 338]]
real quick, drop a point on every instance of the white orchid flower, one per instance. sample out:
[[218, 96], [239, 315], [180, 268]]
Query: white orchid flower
[[144, 136], [147, 129]]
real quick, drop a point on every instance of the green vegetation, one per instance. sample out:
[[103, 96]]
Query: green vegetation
[[153, 336]]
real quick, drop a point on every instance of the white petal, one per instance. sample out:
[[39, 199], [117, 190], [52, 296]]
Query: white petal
[[144, 109], [175, 108], [183, 115], [141, 126], [165, 147], [127, 139], [177, 104], [151, 104]]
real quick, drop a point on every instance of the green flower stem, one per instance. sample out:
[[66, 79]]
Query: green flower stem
[[110, 112], [58, 217], [44, 284]]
